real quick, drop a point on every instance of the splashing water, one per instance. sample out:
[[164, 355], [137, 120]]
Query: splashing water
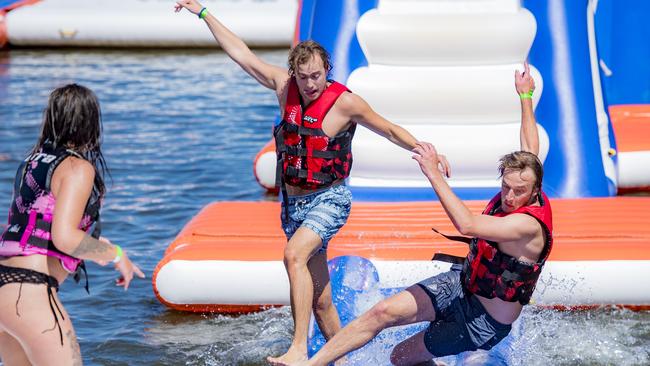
[[537, 337]]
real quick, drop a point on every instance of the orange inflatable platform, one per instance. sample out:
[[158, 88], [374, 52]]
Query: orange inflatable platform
[[228, 258], [631, 124]]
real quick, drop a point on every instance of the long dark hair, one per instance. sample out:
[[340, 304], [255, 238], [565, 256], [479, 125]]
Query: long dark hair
[[73, 120]]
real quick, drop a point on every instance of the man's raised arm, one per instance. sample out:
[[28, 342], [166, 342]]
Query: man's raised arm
[[525, 86], [270, 76]]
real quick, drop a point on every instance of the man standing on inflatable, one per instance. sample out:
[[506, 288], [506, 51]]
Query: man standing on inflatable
[[473, 305], [313, 144]]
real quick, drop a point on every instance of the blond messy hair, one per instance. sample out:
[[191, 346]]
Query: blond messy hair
[[519, 161], [303, 53]]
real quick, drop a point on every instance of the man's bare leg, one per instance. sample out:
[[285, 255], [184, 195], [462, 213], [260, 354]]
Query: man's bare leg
[[324, 310], [410, 306], [413, 352], [302, 246]]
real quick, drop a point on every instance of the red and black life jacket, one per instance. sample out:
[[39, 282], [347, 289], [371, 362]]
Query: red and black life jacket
[[490, 273], [307, 157]]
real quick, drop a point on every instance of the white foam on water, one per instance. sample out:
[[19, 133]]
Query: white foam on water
[[595, 337], [226, 340]]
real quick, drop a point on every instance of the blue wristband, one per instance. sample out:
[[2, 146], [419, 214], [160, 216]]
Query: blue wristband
[[203, 13]]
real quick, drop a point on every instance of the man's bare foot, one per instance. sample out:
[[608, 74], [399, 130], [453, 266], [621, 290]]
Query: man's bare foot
[[292, 357], [300, 363]]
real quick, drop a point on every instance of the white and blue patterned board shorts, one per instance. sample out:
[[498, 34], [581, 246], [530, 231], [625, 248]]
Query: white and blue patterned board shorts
[[324, 212]]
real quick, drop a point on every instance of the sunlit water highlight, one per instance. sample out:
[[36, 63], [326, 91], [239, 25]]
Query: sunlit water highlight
[[181, 130]]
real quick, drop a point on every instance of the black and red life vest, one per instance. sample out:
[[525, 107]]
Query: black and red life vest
[[307, 157], [490, 273]]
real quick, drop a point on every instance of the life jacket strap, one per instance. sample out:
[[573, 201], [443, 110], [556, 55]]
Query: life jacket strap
[[304, 173], [460, 238], [302, 152], [30, 223], [304, 131], [453, 259]]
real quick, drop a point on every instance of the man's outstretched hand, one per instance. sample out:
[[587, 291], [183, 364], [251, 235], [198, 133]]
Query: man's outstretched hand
[[430, 161], [192, 6]]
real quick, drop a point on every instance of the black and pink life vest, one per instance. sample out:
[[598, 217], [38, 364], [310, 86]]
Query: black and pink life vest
[[29, 229]]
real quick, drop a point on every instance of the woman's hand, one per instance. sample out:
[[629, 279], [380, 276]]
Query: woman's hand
[[127, 269], [192, 6], [124, 265], [430, 161]]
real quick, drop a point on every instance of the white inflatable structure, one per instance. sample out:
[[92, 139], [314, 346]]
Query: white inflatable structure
[[444, 71], [147, 23]]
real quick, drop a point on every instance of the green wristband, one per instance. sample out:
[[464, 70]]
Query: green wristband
[[118, 255], [528, 95], [203, 13]]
